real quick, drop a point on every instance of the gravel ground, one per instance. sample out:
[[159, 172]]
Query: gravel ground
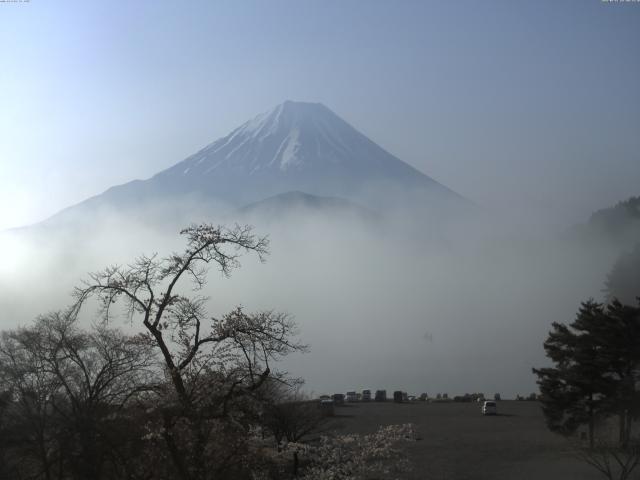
[[457, 442]]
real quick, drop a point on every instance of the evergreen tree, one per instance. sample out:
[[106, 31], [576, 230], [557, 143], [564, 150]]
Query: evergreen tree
[[620, 339], [596, 368]]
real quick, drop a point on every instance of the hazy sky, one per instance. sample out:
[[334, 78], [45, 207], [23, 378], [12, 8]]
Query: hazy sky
[[524, 107]]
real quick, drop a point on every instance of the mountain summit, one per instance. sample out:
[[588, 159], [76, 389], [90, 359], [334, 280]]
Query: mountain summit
[[293, 136], [290, 139], [295, 146]]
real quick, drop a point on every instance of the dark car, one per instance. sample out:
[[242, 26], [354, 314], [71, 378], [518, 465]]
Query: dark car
[[338, 398], [398, 396], [381, 396]]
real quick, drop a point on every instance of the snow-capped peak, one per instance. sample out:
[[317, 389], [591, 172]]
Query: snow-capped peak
[[293, 135], [294, 146]]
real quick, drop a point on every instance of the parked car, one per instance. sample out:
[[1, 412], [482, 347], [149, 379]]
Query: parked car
[[326, 406], [366, 395], [381, 396], [489, 408], [338, 398], [352, 397]]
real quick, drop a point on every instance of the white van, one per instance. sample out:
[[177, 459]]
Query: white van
[[489, 408]]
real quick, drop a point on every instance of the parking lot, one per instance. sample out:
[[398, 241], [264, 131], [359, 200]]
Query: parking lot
[[456, 442]]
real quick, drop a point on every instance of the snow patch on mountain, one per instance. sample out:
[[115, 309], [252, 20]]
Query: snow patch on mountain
[[287, 155]]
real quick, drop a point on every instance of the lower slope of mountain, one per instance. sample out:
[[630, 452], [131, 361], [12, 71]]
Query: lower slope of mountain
[[300, 203]]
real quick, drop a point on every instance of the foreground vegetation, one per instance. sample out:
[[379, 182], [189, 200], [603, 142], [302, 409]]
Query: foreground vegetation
[[191, 396], [595, 383]]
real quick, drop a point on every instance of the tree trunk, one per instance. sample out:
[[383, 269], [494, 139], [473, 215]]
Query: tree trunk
[[176, 456], [592, 422], [295, 464]]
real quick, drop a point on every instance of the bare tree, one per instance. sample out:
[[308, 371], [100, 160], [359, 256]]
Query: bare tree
[[613, 461], [27, 413], [291, 415], [68, 387], [215, 367]]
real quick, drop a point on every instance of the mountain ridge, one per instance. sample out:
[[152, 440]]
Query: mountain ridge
[[288, 202]]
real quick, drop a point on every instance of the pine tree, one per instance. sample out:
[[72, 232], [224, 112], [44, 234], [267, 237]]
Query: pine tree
[[596, 369], [621, 352]]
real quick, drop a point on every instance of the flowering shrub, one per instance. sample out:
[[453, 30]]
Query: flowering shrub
[[353, 456]]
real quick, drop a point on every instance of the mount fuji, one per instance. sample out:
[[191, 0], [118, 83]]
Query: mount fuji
[[296, 146]]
